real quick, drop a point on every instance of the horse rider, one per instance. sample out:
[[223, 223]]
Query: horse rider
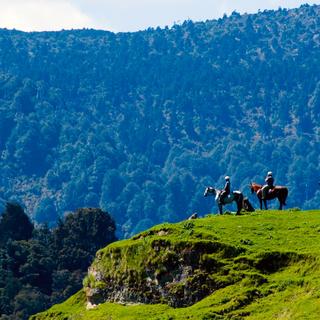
[[226, 190], [268, 186]]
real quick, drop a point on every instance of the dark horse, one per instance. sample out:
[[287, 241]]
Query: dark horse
[[281, 193], [236, 196]]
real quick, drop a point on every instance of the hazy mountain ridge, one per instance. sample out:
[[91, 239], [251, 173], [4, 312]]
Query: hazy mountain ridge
[[139, 123]]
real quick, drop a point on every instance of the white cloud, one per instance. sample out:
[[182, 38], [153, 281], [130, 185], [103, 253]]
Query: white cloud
[[37, 15], [131, 15], [122, 15]]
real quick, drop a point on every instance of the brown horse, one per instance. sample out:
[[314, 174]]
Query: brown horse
[[278, 192]]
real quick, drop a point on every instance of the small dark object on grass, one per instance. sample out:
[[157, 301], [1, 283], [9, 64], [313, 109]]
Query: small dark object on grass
[[247, 206]]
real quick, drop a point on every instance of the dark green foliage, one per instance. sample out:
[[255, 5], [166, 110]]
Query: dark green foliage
[[139, 123], [80, 235], [40, 267], [14, 224]]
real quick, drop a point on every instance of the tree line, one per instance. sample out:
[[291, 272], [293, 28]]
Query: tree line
[[39, 266]]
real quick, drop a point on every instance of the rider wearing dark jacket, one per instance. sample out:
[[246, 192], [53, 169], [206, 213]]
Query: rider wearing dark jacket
[[226, 190], [268, 186]]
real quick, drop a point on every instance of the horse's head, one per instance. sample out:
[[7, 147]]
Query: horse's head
[[209, 191], [254, 187]]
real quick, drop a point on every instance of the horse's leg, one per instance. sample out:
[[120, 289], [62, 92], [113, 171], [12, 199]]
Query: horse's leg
[[265, 204], [238, 207], [260, 200], [220, 208], [280, 201]]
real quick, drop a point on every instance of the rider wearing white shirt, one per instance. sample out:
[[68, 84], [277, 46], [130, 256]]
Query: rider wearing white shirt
[[226, 190], [268, 186]]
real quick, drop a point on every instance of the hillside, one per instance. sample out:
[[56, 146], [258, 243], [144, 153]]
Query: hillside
[[259, 266], [140, 123]]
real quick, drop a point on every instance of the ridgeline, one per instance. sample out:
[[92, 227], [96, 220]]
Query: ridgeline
[[139, 123], [259, 266]]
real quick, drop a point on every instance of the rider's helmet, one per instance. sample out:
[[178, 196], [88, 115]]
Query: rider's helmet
[[270, 173], [227, 178]]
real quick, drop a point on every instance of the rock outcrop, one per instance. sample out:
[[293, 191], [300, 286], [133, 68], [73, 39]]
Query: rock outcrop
[[178, 273]]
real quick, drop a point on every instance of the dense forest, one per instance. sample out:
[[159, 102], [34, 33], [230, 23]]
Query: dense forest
[[40, 267], [140, 123]]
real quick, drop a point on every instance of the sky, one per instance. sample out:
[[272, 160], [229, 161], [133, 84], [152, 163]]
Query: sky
[[123, 15]]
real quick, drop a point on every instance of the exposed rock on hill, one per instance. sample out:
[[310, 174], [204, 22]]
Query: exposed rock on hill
[[223, 267], [178, 273]]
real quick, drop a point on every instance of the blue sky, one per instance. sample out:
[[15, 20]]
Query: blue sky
[[122, 15]]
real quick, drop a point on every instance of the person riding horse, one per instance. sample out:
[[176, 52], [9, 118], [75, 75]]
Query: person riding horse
[[234, 196], [226, 190], [268, 186]]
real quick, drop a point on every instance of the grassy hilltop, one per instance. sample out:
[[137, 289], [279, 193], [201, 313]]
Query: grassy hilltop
[[259, 266]]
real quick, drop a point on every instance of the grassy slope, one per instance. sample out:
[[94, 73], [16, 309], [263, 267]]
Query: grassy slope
[[287, 239]]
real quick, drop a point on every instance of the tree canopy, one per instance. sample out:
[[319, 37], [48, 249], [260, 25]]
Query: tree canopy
[[41, 266], [140, 123]]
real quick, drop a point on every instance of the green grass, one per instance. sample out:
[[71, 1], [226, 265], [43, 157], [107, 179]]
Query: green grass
[[266, 266]]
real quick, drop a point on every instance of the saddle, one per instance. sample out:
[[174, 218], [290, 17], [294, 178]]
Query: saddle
[[226, 199], [270, 191]]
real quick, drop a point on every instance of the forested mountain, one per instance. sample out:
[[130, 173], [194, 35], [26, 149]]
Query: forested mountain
[[139, 123]]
